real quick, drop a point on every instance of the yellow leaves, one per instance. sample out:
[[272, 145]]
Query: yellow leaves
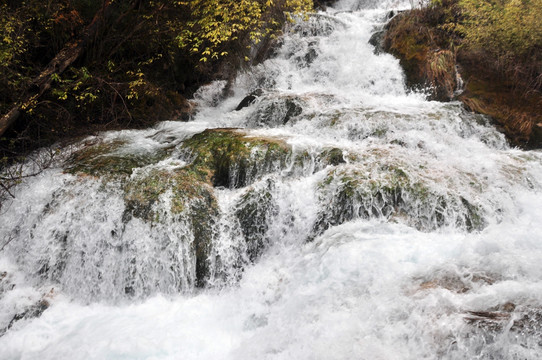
[[110, 66], [510, 26], [13, 38], [219, 23], [135, 86], [29, 105]]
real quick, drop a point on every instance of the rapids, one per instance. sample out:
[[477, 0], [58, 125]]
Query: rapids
[[346, 218]]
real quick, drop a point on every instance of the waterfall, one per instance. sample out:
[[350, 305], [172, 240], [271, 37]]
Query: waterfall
[[323, 210]]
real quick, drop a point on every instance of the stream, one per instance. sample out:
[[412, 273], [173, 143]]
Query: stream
[[338, 215]]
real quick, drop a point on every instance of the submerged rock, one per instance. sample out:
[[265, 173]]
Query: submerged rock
[[191, 201], [254, 212], [6, 283], [163, 236], [352, 192], [29, 312], [249, 99], [332, 156], [106, 159], [377, 40], [455, 282], [317, 25], [522, 322], [276, 111]]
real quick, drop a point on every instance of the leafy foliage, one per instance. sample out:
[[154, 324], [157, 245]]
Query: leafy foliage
[[505, 27], [143, 60], [508, 32], [216, 24]]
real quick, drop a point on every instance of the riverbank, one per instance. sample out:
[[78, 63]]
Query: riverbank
[[434, 49]]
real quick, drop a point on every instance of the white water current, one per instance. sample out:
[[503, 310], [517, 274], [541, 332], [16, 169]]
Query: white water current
[[420, 237]]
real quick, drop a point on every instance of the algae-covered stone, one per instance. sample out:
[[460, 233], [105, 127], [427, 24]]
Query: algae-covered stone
[[332, 156], [229, 158], [391, 193], [254, 211], [188, 196], [106, 159]]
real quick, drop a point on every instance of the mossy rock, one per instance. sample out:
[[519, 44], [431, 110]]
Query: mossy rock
[[103, 159], [229, 158], [350, 193], [142, 192], [190, 199], [254, 211], [306, 162], [332, 156], [276, 111]]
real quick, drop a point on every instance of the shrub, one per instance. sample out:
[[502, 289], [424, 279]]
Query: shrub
[[508, 30], [216, 24]]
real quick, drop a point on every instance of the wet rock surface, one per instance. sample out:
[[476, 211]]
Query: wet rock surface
[[276, 112], [255, 211], [226, 157], [350, 194], [249, 99]]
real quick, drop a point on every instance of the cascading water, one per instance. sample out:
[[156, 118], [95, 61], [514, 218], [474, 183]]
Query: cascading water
[[336, 216]]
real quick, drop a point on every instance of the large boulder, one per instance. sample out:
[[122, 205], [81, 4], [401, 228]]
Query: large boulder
[[391, 192], [229, 158]]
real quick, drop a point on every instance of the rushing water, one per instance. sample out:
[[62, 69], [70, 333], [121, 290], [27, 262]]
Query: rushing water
[[390, 228]]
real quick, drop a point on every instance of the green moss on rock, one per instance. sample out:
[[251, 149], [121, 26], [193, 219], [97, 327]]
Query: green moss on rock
[[189, 199], [332, 156], [276, 111], [103, 159], [349, 193], [229, 158], [254, 211]]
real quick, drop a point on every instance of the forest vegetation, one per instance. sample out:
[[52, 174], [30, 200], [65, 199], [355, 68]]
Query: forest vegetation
[[497, 47], [72, 67]]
